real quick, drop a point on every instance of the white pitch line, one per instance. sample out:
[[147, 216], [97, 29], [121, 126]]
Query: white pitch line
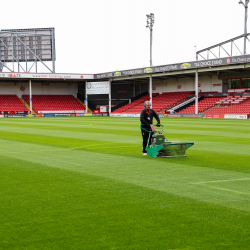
[[204, 182], [225, 189]]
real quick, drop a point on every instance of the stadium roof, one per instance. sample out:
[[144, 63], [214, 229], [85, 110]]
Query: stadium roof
[[185, 69]]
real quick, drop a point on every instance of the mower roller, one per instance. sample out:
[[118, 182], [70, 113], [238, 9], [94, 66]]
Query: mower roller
[[161, 147]]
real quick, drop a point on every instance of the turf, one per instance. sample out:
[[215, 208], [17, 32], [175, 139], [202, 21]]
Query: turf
[[82, 183]]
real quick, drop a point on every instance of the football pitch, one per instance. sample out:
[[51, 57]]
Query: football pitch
[[82, 183]]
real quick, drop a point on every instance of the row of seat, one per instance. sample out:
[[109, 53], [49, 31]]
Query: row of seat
[[40, 103], [160, 102], [54, 102], [240, 108], [238, 104], [203, 105], [11, 103], [129, 106]]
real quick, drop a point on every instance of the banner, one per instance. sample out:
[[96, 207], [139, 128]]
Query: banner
[[61, 112], [46, 76], [124, 115], [1, 116], [215, 116], [15, 116], [131, 115], [236, 116], [95, 88], [184, 116], [100, 114], [178, 66]]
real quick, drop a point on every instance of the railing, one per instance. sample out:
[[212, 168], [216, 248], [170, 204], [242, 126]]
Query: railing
[[119, 105], [183, 104]]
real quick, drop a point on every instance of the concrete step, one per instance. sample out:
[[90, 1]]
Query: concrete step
[[27, 105], [89, 110]]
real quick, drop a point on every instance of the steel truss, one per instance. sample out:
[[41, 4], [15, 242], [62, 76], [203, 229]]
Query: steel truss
[[216, 50]]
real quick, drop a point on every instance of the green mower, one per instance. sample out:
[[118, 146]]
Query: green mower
[[161, 147]]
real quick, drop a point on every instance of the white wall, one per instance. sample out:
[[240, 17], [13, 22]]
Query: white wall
[[207, 83], [187, 84], [54, 88]]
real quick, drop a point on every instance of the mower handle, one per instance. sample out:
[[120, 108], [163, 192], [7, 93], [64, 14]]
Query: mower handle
[[160, 131]]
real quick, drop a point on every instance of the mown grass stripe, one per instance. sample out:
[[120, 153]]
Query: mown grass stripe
[[62, 187], [73, 134], [172, 178], [111, 141], [105, 214]]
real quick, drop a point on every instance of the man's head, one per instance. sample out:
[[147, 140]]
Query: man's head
[[147, 105]]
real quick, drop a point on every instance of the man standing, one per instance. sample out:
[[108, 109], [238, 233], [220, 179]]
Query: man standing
[[146, 119]]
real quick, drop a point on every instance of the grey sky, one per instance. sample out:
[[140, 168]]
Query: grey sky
[[94, 36]]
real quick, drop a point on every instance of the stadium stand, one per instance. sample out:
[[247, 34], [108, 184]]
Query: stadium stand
[[161, 102], [168, 100], [54, 103], [11, 103], [204, 104], [133, 106], [138, 104], [231, 105]]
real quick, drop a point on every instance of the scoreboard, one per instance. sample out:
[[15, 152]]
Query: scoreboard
[[22, 45]]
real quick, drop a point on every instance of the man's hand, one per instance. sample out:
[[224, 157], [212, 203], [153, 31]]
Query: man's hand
[[158, 125]]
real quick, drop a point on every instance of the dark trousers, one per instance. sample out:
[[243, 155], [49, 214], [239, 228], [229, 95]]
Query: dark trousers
[[145, 136]]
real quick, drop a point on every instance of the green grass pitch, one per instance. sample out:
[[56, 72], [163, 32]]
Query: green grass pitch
[[82, 183]]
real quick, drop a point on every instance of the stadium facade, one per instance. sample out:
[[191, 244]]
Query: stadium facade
[[222, 75]]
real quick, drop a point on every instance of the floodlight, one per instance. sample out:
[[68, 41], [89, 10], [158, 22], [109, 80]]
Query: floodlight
[[245, 29], [150, 24]]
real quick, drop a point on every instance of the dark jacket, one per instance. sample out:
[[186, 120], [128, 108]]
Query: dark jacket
[[146, 117]]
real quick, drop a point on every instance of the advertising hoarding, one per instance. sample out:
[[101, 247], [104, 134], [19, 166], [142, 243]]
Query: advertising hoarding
[[61, 112], [45, 76], [178, 66], [183, 116], [15, 116], [124, 115], [236, 116]]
